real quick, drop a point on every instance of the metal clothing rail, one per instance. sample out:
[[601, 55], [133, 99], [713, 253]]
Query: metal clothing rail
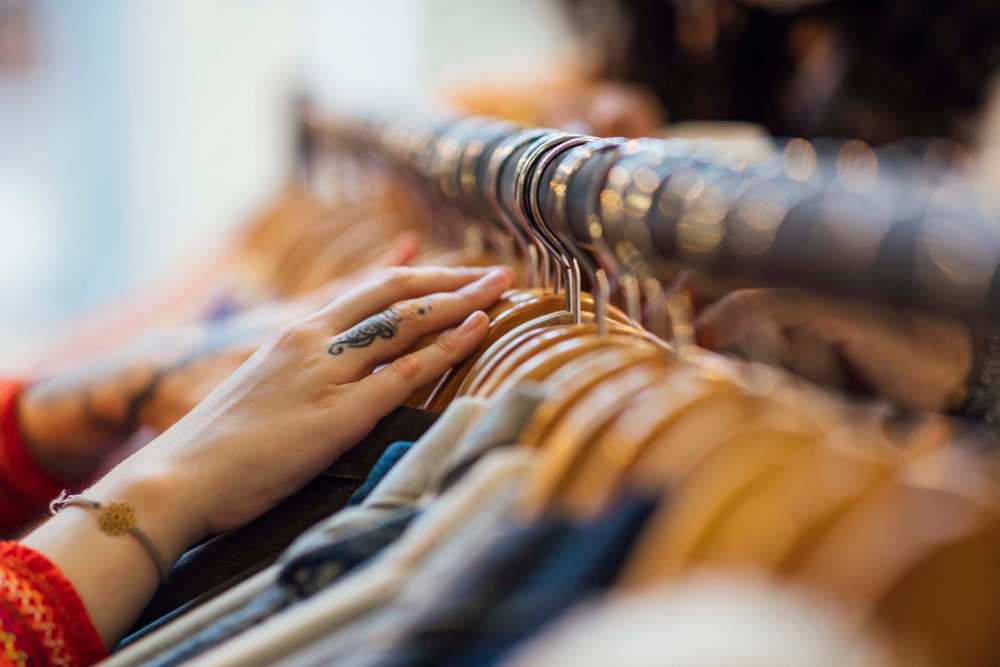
[[890, 224]]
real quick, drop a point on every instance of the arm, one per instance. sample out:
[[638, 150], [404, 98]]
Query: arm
[[56, 430], [292, 409]]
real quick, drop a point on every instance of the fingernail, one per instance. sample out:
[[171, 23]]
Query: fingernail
[[503, 268], [473, 322], [496, 277]]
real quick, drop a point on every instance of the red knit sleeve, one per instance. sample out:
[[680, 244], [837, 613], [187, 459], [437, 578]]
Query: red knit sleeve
[[25, 488], [42, 619]]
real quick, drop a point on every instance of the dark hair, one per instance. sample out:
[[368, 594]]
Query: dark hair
[[906, 67]]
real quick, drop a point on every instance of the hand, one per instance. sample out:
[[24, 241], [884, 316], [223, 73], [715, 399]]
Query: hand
[[72, 419], [914, 359], [216, 350], [301, 400], [310, 394]]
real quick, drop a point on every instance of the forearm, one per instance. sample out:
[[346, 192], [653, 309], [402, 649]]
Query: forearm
[[113, 575]]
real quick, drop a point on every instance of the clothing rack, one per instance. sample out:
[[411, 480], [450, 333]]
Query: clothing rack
[[898, 224], [551, 433]]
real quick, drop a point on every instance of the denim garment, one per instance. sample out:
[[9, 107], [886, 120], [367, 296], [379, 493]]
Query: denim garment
[[587, 562], [498, 428], [304, 575], [340, 556]]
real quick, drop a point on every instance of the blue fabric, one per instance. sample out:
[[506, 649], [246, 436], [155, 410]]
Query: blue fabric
[[530, 577], [312, 571], [583, 564], [390, 457]]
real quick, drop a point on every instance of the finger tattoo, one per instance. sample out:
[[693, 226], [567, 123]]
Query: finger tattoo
[[385, 325]]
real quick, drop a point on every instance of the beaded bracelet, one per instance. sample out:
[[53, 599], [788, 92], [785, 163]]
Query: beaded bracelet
[[115, 519]]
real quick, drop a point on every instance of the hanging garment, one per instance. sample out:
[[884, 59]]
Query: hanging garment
[[509, 553], [460, 522], [439, 465], [529, 576], [499, 427], [300, 578], [412, 481]]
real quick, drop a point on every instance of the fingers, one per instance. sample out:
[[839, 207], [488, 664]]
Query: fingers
[[376, 295], [382, 336], [387, 388]]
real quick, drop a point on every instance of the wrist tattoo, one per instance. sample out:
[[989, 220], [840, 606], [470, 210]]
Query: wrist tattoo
[[385, 325]]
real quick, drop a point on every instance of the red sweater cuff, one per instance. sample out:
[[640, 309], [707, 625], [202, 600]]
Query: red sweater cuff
[[25, 488], [42, 619]]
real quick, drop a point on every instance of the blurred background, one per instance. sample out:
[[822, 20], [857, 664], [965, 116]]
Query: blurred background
[[134, 135]]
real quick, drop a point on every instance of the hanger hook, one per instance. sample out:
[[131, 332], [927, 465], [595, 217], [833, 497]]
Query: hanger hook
[[491, 188], [533, 173]]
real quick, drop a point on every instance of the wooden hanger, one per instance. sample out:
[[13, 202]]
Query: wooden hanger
[[500, 325], [688, 411], [267, 265], [273, 223], [542, 365], [530, 312], [601, 464], [782, 517], [578, 423], [527, 335], [507, 362], [700, 496], [574, 380], [509, 341], [927, 568]]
